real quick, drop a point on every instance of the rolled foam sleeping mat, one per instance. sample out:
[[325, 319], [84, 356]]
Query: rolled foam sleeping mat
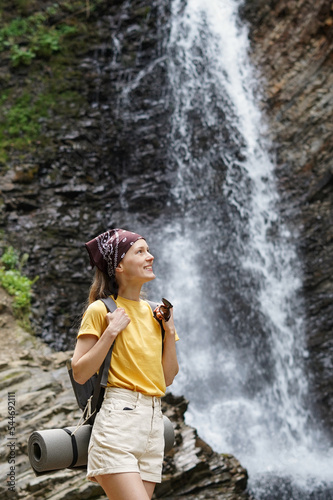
[[55, 449], [169, 435]]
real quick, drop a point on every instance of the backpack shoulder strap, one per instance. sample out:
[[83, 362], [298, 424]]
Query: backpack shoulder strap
[[103, 373], [110, 304], [153, 305]]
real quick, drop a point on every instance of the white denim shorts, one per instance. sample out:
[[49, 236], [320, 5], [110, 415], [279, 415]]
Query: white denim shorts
[[127, 436]]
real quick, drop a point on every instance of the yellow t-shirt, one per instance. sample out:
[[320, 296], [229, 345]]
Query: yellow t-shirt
[[136, 362]]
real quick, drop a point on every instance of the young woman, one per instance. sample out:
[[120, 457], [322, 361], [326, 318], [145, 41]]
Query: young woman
[[125, 452]]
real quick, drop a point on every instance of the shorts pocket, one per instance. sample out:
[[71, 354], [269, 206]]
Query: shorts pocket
[[120, 406]]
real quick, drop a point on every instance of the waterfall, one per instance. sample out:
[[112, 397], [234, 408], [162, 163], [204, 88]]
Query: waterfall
[[230, 265]]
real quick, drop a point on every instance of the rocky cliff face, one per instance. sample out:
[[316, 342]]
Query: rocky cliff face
[[100, 156], [292, 44], [92, 154]]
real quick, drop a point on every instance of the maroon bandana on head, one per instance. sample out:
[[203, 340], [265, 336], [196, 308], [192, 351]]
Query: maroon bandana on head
[[109, 248]]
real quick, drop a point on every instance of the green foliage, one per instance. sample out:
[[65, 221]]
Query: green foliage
[[32, 32], [19, 122], [33, 36], [21, 55], [10, 259], [20, 119], [16, 284]]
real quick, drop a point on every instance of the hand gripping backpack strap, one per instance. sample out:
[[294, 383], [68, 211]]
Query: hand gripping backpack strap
[[102, 379]]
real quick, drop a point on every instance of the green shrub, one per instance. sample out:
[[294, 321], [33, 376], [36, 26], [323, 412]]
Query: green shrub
[[16, 284], [21, 55], [27, 38], [21, 116]]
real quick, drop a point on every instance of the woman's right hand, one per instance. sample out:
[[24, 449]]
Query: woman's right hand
[[90, 352], [117, 322]]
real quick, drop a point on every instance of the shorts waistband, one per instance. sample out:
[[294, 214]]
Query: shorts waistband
[[132, 396]]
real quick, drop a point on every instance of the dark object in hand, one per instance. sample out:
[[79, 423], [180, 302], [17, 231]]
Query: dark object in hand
[[163, 310]]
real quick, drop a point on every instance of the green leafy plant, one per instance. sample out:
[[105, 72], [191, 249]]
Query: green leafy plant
[[21, 55], [21, 117], [16, 284], [31, 37]]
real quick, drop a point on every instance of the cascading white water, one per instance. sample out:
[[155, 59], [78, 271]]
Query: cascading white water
[[233, 271]]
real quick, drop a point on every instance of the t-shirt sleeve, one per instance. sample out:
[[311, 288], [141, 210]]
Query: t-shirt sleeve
[[94, 320]]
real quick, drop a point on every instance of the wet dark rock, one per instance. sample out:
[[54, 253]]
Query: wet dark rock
[[104, 157], [292, 46]]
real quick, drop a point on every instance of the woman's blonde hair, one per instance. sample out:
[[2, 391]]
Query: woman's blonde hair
[[102, 286]]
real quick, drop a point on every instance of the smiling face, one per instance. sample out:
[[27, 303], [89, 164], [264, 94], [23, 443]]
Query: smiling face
[[137, 265]]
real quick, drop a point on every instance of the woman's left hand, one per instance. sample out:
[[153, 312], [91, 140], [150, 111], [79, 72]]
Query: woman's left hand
[[163, 311], [169, 325]]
